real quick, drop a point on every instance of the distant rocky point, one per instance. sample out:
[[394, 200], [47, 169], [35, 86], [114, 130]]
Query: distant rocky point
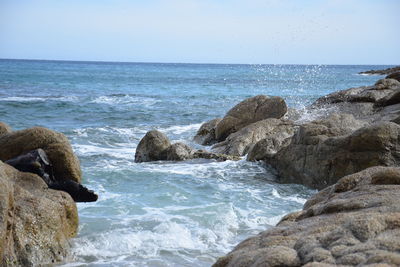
[[382, 72]]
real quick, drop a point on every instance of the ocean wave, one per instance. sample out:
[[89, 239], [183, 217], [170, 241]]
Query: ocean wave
[[126, 151], [39, 99], [124, 99], [180, 129], [295, 197]]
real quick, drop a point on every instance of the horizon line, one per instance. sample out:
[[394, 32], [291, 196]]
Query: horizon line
[[188, 63]]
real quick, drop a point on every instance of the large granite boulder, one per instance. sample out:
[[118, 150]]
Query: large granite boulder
[[152, 147], [35, 221], [206, 134], [251, 110], [323, 151], [354, 222], [56, 145], [240, 143]]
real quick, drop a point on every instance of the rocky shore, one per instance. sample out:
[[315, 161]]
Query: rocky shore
[[351, 152], [36, 222]]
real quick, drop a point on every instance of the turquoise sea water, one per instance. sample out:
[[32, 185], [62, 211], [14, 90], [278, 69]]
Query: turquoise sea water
[[162, 213]]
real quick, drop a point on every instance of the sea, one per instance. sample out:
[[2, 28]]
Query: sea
[[162, 213]]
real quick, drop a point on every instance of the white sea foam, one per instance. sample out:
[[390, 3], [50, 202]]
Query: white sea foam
[[294, 198], [180, 129], [38, 99], [124, 152], [125, 100]]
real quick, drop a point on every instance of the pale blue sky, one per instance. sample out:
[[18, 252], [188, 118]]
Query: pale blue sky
[[219, 31]]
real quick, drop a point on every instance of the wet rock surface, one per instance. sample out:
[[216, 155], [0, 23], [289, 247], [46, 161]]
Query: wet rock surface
[[354, 222]]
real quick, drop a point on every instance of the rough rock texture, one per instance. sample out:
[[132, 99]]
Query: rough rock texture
[[4, 128], [323, 151], [179, 151], [354, 222], [382, 72], [56, 145], [249, 111], [363, 102], [152, 147], [156, 146], [202, 154], [395, 75], [206, 134], [240, 142], [35, 222]]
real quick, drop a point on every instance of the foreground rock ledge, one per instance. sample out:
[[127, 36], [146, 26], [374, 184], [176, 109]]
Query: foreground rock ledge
[[35, 222], [354, 222]]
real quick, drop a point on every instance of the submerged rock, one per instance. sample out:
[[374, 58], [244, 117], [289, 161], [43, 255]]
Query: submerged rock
[[206, 134], [354, 222], [242, 141], [35, 221], [152, 147], [323, 151], [251, 110], [56, 145]]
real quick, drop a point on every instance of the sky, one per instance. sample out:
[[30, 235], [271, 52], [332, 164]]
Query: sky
[[203, 31]]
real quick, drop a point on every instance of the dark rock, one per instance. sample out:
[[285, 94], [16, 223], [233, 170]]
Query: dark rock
[[323, 151], [179, 152], [37, 162], [152, 147], [382, 72], [249, 111], [206, 134], [35, 221], [354, 222], [395, 75], [56, 145], [241, 142]]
